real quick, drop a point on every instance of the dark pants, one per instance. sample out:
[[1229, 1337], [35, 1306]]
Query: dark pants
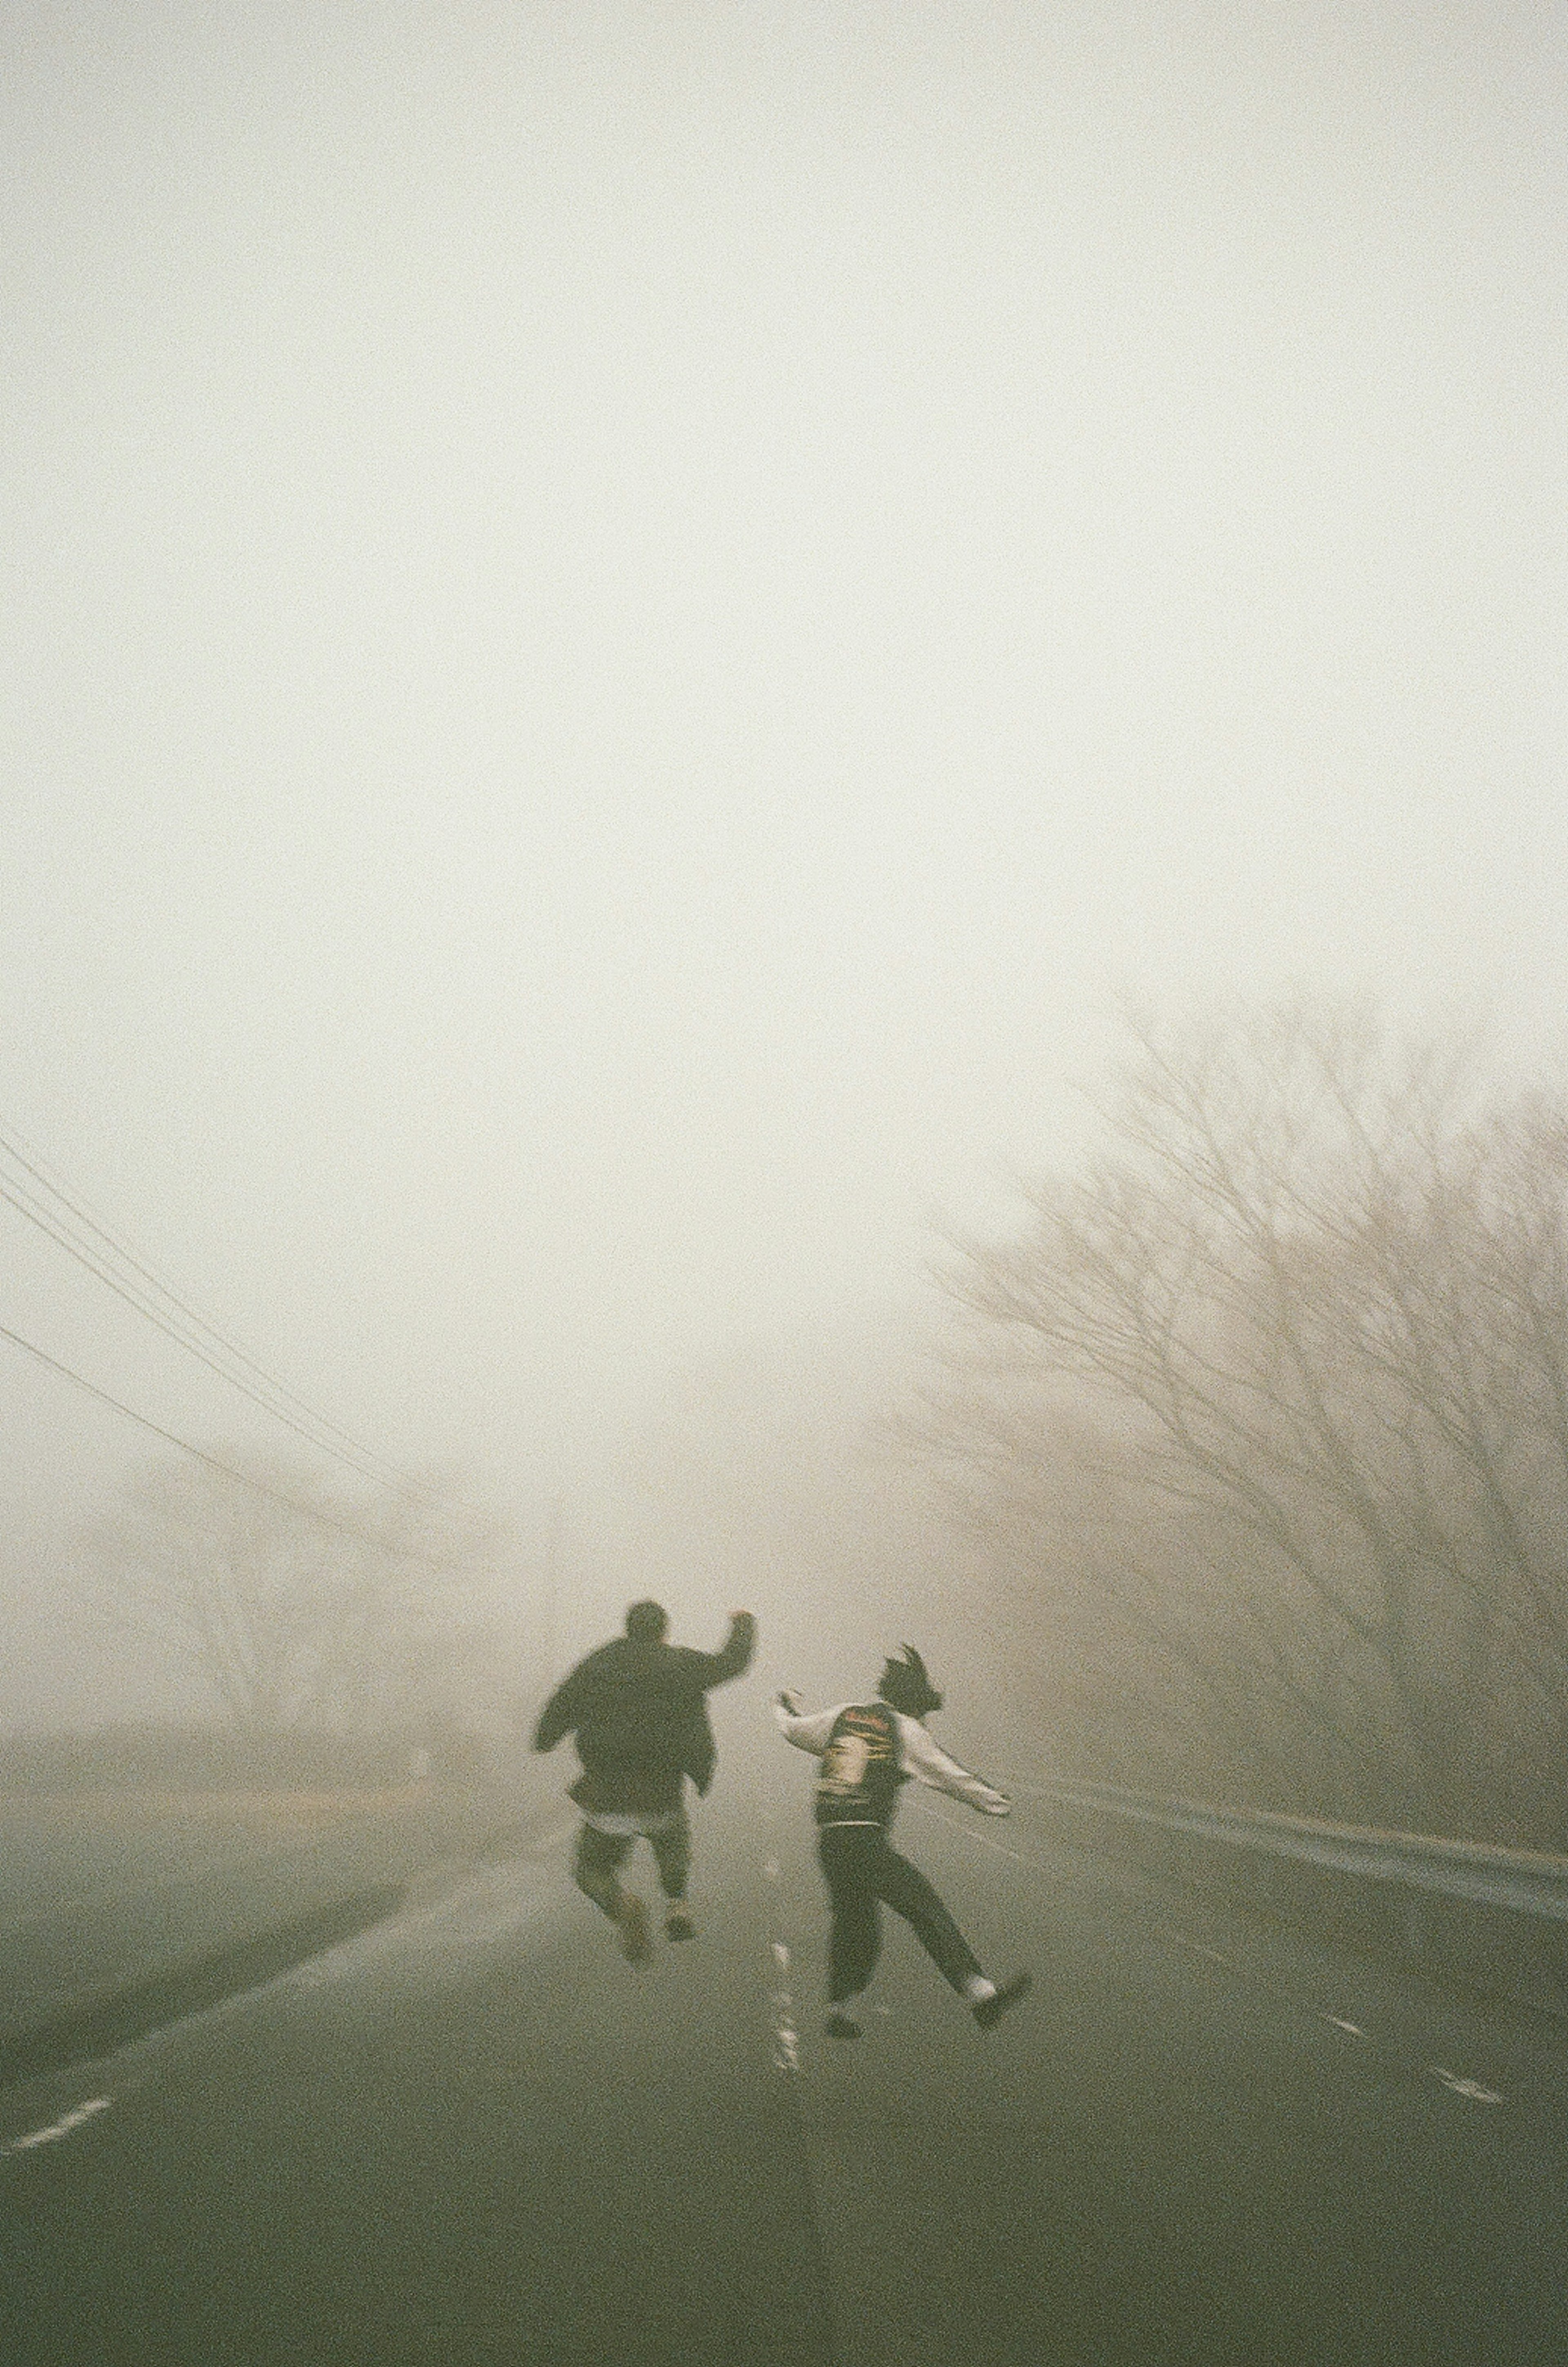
[[599, 1857], [864, 1873]]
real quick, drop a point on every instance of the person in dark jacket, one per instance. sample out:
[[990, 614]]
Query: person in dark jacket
[[638, 1710]]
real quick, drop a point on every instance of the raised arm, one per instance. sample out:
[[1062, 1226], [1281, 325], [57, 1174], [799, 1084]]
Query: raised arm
[[734, 1656]]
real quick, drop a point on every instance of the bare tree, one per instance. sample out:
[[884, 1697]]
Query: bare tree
[[1314, 1295], [297, 1606]]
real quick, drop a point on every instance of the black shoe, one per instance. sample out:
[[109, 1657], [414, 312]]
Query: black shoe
[[842, 2025], [678, 1924], [989, 2011]]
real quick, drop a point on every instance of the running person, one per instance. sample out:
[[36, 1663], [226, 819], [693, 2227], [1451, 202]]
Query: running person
[[637, 1708], [868, 1749]]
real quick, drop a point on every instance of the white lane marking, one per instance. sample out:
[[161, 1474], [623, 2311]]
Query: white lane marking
[[435, 1944], [1471, 2089], [983, 1840], [786, 2038], [1196, 1947], [473, 1917], [485, 1911], [60, 2128]]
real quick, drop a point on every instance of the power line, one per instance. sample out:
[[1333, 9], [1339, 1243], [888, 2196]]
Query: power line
[[85, 1257], [89, 1255], [214, 1348], [215, 1463]]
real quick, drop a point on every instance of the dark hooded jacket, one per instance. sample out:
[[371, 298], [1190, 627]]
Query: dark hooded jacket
[[640, 1718]]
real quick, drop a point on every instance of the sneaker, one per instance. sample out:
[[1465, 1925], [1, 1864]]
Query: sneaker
[[842, 2025], [989, 2011], [635, 1946], [678, 1925]]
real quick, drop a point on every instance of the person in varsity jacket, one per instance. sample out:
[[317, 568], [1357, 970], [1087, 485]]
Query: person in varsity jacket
[[868, 1749]]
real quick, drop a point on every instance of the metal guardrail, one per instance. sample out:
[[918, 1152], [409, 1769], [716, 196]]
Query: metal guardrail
[[1493, 1920], [1530, 1882]]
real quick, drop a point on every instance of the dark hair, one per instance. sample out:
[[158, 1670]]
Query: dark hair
[[647, 1622], [905, 1685]]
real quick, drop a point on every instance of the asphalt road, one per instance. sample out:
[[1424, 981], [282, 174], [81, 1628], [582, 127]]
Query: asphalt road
[[474, 2134]]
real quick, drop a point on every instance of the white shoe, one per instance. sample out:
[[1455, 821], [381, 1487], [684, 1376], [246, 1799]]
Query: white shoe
[[989, 2011]]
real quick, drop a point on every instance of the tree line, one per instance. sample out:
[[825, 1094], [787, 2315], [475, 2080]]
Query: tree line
[[293, 1608], [1258, 1429], [1242, 1472]]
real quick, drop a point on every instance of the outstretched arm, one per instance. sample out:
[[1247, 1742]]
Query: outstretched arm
[[919, 1756]]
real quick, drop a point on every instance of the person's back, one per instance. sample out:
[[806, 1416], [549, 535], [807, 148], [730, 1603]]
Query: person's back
[[859, 1778], [640, 1711], [637, 1708]]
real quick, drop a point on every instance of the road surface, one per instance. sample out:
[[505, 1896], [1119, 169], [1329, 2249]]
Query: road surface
[[473, 2134]]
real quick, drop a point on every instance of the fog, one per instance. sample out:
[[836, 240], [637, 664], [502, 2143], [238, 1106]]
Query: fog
[[628, 627]]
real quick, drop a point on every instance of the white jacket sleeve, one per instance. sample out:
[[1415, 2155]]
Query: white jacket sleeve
[[919, 1756], [805, 1733]]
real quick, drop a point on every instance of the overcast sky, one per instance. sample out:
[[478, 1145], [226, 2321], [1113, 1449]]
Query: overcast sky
[[625, 622]]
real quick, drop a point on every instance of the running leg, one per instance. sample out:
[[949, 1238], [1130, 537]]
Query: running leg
[[599, 1857], [855, 1941], [907, 1892], [672, 1845]]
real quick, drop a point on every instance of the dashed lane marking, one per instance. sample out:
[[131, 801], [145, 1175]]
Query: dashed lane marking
[[1471, 2089], [983, 1840], [60, 2128], [786, 2038], [1195, 1947]]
